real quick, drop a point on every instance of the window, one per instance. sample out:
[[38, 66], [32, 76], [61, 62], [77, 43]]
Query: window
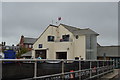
[[76, 36], [51, 38], [65, 37], [40, 46]]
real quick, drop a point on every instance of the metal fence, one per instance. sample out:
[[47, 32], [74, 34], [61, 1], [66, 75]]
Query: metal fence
[[33, 69]]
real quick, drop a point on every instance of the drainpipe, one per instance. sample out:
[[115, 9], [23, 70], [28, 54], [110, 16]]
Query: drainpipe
[[104, 55]]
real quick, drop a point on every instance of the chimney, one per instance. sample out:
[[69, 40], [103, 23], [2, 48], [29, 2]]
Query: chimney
[[22, 36], [3, 43]]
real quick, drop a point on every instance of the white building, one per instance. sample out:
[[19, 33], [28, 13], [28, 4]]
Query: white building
[[66, 42]]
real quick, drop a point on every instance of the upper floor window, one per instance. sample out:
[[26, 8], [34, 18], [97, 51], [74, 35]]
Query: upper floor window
[[40, 45], [77, 36], [65, 37], [51, 38]]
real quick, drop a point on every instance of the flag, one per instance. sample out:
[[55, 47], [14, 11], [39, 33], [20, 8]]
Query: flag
[[59, 18]]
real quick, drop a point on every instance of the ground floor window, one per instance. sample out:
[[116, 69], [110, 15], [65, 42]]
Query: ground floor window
[[41, 53], [116, 61]]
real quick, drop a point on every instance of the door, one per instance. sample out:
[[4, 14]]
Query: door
[[61, 55]]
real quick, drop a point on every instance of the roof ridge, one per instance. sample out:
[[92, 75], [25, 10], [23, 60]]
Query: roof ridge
[[69, 26]]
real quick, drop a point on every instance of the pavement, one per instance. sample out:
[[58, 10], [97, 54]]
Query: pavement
[[115, 75]]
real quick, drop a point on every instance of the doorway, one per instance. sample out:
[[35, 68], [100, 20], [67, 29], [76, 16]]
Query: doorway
[[61, 55]]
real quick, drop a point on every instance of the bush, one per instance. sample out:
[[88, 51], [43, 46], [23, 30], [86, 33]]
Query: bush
[[22, 51]]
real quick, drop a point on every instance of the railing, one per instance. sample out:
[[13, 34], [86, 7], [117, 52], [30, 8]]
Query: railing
[[65, 70]]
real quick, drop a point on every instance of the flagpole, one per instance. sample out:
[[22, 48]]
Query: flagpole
[[59, 19]]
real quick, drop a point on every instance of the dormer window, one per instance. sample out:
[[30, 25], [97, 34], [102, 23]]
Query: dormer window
[[51, 38]]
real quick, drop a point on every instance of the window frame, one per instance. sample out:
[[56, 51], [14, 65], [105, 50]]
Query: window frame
[[66, 37], [52, 38]]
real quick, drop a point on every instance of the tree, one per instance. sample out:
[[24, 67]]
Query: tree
[[22, 51]]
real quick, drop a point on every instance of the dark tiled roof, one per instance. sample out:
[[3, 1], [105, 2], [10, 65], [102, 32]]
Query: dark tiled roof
[[29, 40], [78, 31]]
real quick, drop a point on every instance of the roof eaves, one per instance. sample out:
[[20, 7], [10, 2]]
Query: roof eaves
[[44, 31]]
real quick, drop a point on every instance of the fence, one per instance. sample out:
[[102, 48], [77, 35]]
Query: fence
[[33, 69]]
